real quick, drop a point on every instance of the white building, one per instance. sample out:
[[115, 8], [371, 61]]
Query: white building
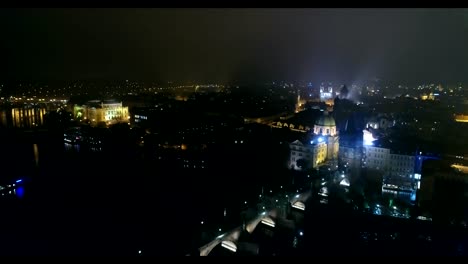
[[97, 111]]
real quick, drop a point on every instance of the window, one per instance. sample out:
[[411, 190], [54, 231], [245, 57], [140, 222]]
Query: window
[[328, 131]]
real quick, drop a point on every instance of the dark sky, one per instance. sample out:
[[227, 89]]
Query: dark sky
[[407, 45]]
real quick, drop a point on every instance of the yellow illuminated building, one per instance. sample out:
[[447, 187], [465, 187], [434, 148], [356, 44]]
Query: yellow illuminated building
[[96, 111], [427, 97], [322, 148], [461, 118]]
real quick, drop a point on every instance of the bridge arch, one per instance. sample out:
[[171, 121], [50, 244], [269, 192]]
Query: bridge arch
[[299, 205], [268, 221]]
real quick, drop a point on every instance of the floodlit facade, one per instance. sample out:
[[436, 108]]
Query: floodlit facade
[[323, 147], [97, 111]]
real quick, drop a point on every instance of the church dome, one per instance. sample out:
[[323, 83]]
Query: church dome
[[325, 120]]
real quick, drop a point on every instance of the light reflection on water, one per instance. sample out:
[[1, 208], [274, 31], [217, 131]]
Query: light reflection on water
[[23, 117], [72, 147]]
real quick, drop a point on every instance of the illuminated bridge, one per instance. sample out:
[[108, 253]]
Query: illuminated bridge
[[232, 242]]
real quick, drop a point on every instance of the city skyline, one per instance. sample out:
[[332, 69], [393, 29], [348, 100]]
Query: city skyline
[[234, 132]]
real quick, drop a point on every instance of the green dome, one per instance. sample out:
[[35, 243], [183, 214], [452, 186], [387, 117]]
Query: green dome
[[325, 120]]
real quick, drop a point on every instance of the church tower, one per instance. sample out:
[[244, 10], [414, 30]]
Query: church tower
[[325, 128]]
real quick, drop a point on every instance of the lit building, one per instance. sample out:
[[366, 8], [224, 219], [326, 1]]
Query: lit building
[[380, 158], [325, 130], [322, 147], [326, 92], [97, 111], [306, 155], [461, 118], [299, 103], [400, 171], [380, 122]]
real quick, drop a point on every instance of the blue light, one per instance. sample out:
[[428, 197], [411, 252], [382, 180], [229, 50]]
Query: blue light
[[18, 181], [311, 142], [320, 139], [20, 192]]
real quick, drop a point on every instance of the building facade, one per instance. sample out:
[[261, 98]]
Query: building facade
[[97, 111], [322, 147]]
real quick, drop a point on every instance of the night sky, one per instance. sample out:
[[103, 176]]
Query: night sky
[[351, 45]]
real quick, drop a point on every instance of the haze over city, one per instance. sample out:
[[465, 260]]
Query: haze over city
[[227, 45]]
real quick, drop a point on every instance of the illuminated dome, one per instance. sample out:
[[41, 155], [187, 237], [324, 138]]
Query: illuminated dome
[[325, 125], [325, 120]]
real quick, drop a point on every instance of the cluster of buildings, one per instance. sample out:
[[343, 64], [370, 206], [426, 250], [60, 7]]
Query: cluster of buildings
[[399, 170]]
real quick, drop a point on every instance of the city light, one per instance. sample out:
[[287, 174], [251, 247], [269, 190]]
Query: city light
[[267, 221], [201, 222], [344, 182], [18, 181], [229, 245], [320, 139], [368, 138], [299, 205], [301, 233]]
